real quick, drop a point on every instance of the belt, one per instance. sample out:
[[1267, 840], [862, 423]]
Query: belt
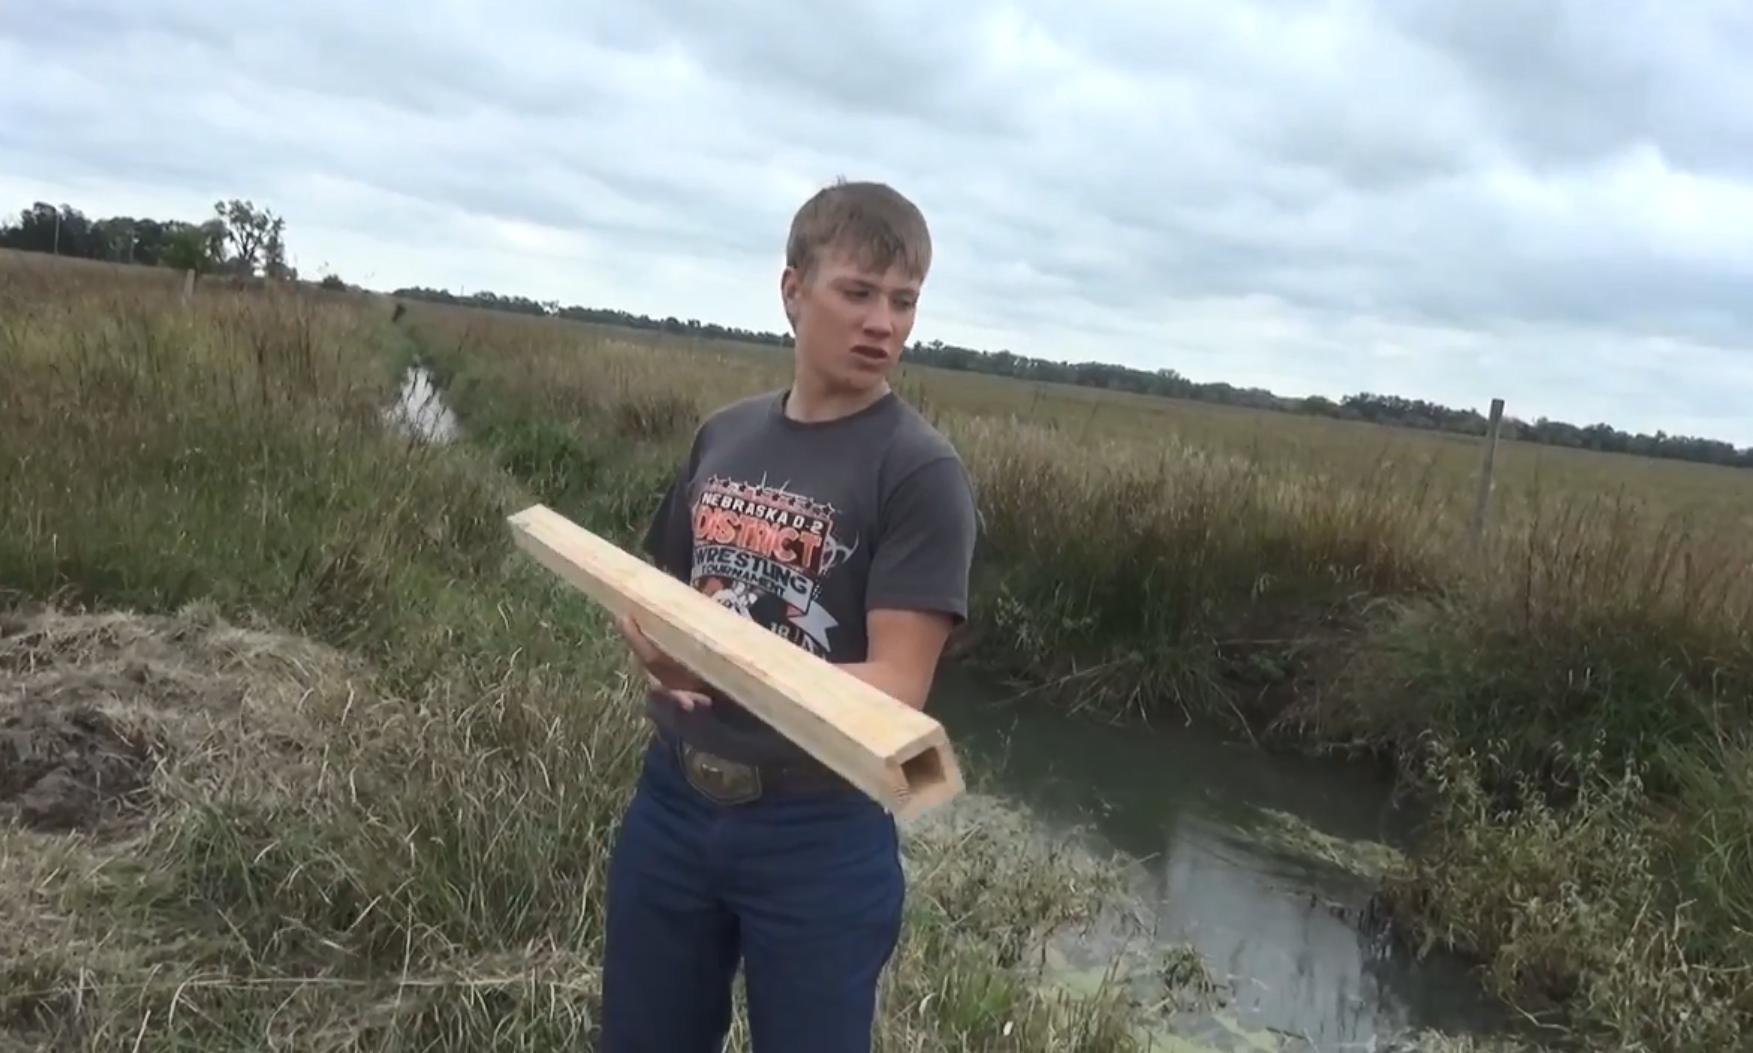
[[727, 782]]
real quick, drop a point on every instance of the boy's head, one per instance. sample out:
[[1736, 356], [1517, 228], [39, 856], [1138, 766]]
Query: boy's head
[[856, 258]]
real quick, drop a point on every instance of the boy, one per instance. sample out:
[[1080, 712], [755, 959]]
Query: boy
[[835, 515]]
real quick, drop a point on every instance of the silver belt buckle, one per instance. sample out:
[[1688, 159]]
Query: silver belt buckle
[[720, 780]]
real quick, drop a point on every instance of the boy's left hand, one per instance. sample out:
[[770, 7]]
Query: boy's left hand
[[662, 671]]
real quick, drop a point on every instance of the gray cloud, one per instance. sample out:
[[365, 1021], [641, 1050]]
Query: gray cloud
[[1442, 198], [1565, 86]]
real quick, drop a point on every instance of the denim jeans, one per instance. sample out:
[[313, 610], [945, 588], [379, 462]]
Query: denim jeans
[[806, 892]]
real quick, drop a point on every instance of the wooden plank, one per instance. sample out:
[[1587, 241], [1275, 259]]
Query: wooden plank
[[896, 754]]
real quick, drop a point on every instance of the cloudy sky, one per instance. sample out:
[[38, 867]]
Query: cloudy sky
[[1450, 199]]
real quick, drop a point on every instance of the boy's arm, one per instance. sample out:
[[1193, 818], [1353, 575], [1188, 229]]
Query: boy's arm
[[669, 537], [918, 590], [668, 544]]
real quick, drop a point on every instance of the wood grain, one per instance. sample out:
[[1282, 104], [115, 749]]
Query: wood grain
[[892, 752]]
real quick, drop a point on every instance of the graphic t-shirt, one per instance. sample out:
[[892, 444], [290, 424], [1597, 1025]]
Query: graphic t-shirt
[[803, 527]]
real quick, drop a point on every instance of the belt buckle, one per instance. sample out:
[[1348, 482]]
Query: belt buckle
[[723, 781]]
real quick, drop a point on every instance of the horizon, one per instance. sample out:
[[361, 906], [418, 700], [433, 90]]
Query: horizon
[[758, 339], [779, 340]]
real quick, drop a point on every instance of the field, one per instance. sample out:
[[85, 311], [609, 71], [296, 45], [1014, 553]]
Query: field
[[295, 753], [359, 762], [1723, 495]]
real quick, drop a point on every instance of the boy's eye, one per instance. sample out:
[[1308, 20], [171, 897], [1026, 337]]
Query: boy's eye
[[860, 292]]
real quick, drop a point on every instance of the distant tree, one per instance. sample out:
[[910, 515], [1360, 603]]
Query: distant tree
[[255, 239], [239, 238], [43, 227], [194, 247]]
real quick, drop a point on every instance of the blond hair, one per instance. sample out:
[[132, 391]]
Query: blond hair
[[873, 222]]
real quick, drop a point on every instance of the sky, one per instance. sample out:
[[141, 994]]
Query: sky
[[1541, 200]]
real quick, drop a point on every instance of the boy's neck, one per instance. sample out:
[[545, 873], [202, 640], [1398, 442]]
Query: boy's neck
[[811, 402]]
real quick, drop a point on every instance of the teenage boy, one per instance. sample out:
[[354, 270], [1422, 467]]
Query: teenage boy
[[835, 515]]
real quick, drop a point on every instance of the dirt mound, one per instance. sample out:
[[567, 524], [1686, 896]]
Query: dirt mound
[[92, 704], [66, 768]]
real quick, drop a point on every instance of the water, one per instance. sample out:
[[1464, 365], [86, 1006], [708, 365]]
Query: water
[[420, 410], [1262, 864]]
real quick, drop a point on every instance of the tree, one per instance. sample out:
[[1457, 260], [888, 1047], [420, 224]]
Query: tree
[[255, 237], [195, 247]]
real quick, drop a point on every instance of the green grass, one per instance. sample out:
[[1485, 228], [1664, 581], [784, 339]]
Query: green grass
[[387, 753], [1571, 697]]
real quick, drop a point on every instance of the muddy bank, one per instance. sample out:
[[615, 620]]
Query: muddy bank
[[1184, 1001]]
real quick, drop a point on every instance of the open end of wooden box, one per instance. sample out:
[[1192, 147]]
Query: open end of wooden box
[[924, 772], [925, 780]]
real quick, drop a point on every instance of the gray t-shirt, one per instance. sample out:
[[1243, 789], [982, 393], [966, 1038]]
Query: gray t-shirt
[[803, 527]]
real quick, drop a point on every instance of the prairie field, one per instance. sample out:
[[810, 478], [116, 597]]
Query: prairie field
[[329, 767], [1701, 490]]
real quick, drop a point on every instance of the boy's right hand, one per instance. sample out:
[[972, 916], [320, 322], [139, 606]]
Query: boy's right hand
[[662, 671]]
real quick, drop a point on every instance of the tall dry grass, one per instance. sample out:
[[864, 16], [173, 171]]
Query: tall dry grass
[[381, 757], [1572, 694]]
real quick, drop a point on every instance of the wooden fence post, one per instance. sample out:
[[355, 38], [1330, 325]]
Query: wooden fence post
[[1482, 498]]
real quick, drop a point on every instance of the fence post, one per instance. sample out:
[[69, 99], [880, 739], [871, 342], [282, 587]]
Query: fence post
[[1482, 498]]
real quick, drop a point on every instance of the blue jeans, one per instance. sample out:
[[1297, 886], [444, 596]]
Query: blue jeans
[[806, 892]]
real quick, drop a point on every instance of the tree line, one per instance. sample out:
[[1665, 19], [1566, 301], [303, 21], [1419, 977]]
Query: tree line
[[239, 239], [243, 239], [1164, 383]]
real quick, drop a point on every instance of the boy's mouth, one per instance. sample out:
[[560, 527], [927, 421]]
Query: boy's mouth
[[875, 354]]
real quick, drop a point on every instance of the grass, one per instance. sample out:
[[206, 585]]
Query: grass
[[1570, 697], [295, 752]]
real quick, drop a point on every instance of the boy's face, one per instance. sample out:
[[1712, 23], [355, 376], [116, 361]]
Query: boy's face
[[852, 323]]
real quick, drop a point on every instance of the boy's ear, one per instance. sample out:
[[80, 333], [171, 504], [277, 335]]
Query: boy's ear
[[790, 286]]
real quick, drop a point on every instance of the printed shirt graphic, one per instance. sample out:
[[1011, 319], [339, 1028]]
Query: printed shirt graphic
[[765, 553], [786, 522]]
